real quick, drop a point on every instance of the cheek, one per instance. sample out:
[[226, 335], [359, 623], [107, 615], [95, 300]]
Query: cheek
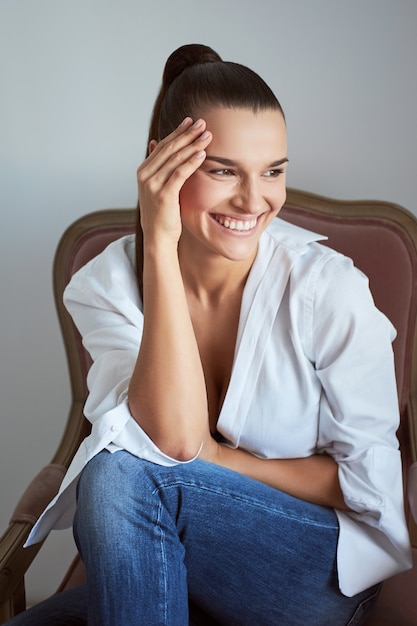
[[278, 199], [283, 196], [187, 195], [195, 195], [191, 203]]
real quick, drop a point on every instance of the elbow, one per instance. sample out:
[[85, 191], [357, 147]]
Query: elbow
[[178, 449], [173, 446], [184, 455], [175, 438]]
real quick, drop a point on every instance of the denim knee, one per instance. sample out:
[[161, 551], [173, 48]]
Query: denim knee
[[114, 496], [98, 498], [129, 545]]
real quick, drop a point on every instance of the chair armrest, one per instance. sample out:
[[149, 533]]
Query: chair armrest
[[14, 558], [39, 493]]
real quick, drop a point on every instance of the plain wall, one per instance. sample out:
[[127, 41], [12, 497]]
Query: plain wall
[[78, 79]]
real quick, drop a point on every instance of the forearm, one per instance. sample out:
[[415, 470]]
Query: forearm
[[314, 479], [167, 393]]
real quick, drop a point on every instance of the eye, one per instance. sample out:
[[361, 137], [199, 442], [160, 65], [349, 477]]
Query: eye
[[274, 173], [222, 172]]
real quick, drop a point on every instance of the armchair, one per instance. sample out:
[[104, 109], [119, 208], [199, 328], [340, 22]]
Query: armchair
[[382, 240]]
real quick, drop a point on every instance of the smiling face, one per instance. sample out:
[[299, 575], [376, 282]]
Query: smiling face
[[239, 189]]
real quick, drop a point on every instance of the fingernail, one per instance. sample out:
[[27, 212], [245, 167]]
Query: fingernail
[[198, 123], [205, 135], [201, 154], [185, 121]]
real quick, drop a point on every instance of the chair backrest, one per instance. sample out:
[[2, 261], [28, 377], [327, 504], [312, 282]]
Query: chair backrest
[[82, 241], [380, 237]]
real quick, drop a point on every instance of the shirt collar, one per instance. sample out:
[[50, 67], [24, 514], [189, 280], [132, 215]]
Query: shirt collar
[[292, 236]]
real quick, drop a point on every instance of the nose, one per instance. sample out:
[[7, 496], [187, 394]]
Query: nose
[[248, 196]]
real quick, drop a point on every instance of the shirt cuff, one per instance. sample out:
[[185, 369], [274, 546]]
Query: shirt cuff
[[129, 436]]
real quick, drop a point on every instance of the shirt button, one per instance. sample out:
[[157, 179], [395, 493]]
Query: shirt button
[[115, 429]]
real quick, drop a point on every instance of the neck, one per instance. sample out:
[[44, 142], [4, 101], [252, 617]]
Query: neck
[[210, 278]]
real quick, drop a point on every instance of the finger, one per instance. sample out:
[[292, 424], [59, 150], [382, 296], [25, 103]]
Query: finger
[[182, 172], [173, 145], [181, 139], [182, 162], [168, 183], [186, 126]]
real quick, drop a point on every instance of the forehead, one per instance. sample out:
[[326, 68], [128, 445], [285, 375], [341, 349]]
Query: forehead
[[241, 133]]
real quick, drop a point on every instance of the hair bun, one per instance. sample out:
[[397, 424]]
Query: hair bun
[[187, 56]]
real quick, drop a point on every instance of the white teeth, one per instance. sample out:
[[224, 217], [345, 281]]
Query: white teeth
[[233, 224]]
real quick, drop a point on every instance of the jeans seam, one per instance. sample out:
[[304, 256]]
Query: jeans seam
[[164, 567], [249, 502]]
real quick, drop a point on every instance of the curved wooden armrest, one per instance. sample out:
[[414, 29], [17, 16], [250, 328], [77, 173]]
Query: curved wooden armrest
[[14, 562], [14, 558]]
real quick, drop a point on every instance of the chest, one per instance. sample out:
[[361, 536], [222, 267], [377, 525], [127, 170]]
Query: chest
[[216, 332], [275, 397]]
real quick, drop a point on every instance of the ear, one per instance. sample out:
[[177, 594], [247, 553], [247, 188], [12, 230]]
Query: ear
[[152, 145]]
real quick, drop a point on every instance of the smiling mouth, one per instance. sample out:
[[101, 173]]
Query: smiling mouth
[[234, 224]]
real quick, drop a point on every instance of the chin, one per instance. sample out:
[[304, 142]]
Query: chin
[[242, 255]]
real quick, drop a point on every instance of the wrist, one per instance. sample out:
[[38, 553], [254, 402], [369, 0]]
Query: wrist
[[160, 246], [210, 450]]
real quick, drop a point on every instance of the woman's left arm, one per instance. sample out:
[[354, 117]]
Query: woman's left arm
[[314, 478], [349, 342]]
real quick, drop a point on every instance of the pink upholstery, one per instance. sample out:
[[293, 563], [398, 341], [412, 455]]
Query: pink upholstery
[[38, 494], [91, 243], [397, 603]]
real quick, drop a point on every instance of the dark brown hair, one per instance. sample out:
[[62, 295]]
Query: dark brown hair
[[195, 80]]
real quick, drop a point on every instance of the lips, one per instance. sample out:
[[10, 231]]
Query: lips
[[236, 224]]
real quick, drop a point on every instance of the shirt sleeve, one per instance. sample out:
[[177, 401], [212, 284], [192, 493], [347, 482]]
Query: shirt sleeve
[[351, 346], [103, 300]]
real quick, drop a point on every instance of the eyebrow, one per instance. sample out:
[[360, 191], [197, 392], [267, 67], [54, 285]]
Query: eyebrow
[[231, 163]]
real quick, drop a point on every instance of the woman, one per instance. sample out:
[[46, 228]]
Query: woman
[[242, 393]]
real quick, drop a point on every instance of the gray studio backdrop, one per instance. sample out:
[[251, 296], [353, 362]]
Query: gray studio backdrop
[[77, 83]]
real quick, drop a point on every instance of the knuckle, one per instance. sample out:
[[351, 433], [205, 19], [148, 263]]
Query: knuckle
[[140, 175], [167, 144], [177, 175], [176, 159], [153, 186]]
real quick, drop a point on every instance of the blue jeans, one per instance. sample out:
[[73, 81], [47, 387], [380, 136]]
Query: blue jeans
[[68, 608], [152, 538]]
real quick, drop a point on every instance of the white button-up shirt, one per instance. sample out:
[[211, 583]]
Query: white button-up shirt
[[313, 372]]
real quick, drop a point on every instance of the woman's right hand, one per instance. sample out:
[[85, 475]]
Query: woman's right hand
[[160, 177], [167, 392]]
